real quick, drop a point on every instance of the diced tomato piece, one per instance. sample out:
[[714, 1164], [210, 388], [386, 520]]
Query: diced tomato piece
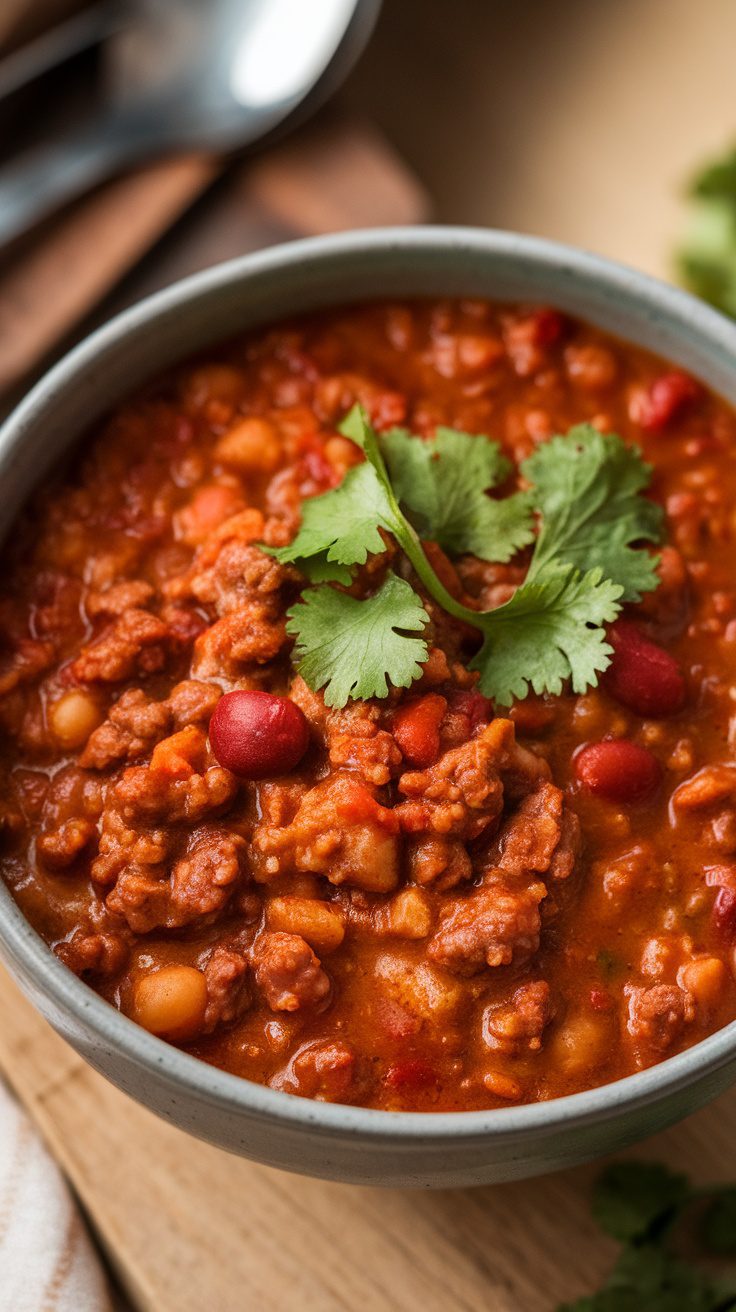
[[477, 708], [618, 770], [180, 755], [387, 409], [548, 326], [416, 728], [668, 396], [414, 1073], [319, 469], [642, 675]]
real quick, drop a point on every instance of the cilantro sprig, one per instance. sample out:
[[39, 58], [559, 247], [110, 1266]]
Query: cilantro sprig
[[648, 1209], [587, 497], [442, 484]]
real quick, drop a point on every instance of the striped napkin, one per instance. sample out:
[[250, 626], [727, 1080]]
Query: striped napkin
[[47, 1261]]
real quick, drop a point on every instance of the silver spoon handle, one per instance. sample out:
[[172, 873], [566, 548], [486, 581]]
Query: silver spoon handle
[[40, 181]]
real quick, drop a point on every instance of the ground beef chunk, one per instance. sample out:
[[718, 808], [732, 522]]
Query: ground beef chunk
[[568, 847], [322, 1070], [228, 995], [518, 1026], [131, 594], [198, 887], [135, 723], [140, 898], [122, 847], [462, 793], [441, 862], [203, 880], [494, 925], [192, 702], [532, 836], [134, 644], [60, 847], [238, 573], [24, 663], [657, 1017], [288, 973], [145, 794], [72, 792], [253, 635], [94, 954], [245, 589], [340, 831], [132, 728], [354, 740]]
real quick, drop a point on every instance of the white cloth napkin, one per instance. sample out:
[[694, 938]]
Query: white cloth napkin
[[47, 1261]]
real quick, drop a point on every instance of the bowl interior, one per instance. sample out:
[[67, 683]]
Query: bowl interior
[[262, 289]]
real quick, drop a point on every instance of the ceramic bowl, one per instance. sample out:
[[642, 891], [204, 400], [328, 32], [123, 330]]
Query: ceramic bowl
[[338, 1142]]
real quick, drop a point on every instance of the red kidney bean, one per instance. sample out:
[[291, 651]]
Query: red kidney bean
[[618, 770], [724, 912], [642, 675], [668, 396], [258, 734]]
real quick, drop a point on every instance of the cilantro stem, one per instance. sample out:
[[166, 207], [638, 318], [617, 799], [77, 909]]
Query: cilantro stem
[[411, 544]]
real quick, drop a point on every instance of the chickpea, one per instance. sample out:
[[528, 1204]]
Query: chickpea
[[73, 718], [171, 1002], [705, 978], [214, 382], [315, 921], [251, 445], [581, 1042]]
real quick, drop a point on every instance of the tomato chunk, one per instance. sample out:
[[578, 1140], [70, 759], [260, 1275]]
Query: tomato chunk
[[642, 675], [413, 1073], [618, 770], [258, 734], [416, 728], [668, 396]]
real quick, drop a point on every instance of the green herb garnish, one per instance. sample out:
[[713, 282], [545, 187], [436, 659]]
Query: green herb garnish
[[649, 1208], [587, 493], [707, 259], [442, 484]]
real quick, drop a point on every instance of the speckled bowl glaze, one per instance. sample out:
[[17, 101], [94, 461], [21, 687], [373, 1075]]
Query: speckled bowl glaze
[[337, 1142]]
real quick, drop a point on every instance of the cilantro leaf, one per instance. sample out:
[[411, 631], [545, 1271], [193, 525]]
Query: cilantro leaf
[[587, 486], [342, 525], [442, 483], [718, 1225], [549, 631], [356, 648]]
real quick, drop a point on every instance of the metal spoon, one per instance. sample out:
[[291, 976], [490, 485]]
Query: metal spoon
[[213, 75]]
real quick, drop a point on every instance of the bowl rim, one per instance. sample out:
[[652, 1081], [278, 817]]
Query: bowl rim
[[177, 1069]]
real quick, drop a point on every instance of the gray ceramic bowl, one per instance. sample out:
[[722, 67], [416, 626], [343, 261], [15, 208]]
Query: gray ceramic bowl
[[351, 1143]]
